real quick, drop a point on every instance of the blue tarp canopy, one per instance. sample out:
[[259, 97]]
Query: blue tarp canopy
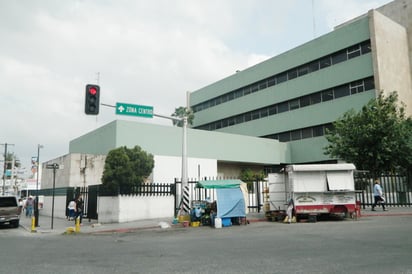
[[220, 183], [230, 203], [230, 198]]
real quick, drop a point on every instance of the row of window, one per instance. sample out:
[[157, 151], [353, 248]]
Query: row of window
[[307, 100], [299, 134], [326, 61]]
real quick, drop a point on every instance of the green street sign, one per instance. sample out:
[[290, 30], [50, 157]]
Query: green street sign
[[134, 110]]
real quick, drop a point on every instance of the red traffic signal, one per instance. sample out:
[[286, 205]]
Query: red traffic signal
[[92, 100]]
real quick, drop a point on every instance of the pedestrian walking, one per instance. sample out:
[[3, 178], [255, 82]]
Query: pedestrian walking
[[378, 196], [29, 207]]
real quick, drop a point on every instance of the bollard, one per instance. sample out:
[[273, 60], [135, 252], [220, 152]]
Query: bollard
[[77, 228], [33, 224]]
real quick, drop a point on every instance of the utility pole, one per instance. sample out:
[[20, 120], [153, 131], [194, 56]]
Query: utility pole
[[36, 201], [5, 165]]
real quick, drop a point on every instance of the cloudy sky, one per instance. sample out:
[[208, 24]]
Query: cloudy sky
[[138, 51]]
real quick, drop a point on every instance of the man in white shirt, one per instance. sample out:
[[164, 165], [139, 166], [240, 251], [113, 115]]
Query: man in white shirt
[[378, 195]]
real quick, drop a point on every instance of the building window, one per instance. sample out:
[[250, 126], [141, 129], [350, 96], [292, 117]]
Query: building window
[[254, 88], [324, 62], [295, 135], [303, 70], [271, 81], [263, 112], [314, 66], [304, 101], [366, 47], [239, 119], [273, 110], [282, 107], [292, 74], [224, 98], [281, 78], [307, 133], [238, 93], [255, 114], [263, 85], [327, 95], [317, 131], [328, 127], [338, 57], [341, 91], [356, 87], [284, 137], [315, 98], [246, 91], [369, 83], [294, 104], [354, 51]]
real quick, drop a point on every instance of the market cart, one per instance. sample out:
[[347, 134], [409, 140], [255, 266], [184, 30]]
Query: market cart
[[231, 200]]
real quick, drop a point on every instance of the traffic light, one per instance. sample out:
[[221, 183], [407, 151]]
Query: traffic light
[[91, 105]]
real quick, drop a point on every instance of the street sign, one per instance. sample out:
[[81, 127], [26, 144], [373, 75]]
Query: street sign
[[52, 166], [134, 110]]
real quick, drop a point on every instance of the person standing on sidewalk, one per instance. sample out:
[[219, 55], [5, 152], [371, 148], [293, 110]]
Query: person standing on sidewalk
[[378, 195], [72, 209], [79, 208]]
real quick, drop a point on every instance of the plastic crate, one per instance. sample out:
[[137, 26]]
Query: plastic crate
[[226, 222]]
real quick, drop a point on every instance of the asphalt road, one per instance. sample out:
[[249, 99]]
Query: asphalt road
[[370, 245]]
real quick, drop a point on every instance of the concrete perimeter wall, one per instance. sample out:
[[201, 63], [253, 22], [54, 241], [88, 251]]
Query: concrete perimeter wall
[[126, 208]]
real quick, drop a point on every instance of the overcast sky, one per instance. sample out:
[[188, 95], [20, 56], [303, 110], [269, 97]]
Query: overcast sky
[[138, 51]]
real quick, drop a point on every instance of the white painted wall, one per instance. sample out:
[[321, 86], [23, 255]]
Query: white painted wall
[[59, 207], [79, 170], [120, 209], [167, 168], [127, 208]]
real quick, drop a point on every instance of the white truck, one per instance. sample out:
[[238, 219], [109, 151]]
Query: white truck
[[315, 190]]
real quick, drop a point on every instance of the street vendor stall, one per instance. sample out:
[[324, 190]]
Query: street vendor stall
[[231, 200]]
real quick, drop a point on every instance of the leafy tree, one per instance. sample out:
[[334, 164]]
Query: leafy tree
[[181, 112], [125, 168], [377, 139], [249, 176]]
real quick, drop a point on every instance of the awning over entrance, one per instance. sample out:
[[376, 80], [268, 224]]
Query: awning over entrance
[[235, 183]]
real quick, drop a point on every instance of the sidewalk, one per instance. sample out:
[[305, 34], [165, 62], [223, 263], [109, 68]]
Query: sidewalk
[[60, 225]]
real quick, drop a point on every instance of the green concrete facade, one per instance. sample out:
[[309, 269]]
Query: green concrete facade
[[167, 140], [253, 101]]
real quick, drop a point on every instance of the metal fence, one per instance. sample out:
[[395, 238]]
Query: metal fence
[[155, 189], [255, 194], [397, 189]]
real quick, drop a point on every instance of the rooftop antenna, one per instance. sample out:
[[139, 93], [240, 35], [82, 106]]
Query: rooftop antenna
[[313, 19]]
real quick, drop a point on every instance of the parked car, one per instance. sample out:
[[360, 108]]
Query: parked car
[[9, 211]]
